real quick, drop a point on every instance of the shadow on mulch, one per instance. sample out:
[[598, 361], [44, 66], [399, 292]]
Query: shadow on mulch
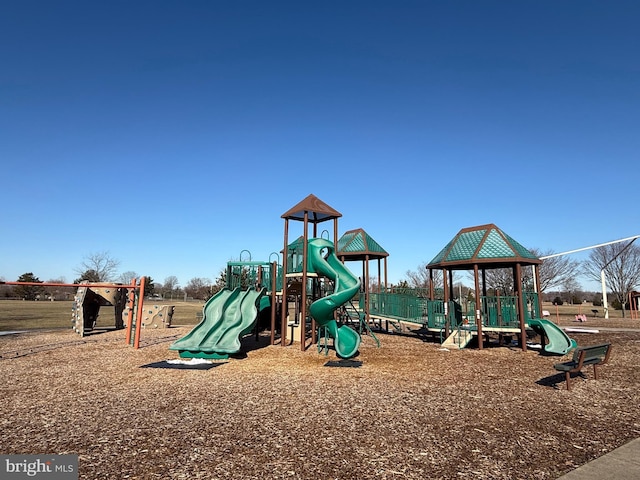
[[344, 363], [250, 342], [425, 335], [98, 330], [417, 332], [182, 366], [554, 381]]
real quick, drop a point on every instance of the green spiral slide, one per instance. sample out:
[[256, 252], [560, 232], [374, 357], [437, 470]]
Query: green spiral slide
[[346, 340]]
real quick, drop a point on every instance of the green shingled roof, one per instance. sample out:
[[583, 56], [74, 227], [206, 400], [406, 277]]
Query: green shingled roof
[[484, 244], [358, 245]]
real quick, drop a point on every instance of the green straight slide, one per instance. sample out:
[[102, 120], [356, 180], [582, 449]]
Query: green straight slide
[[346, 340], [226, 318], [558, 342]]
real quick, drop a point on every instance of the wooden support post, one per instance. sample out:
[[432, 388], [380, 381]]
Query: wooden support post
[[274, 299], [132, 304], [136, 341]]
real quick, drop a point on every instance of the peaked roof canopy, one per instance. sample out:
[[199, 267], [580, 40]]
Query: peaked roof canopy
[[484, 245], [316, 209], [358, 245]]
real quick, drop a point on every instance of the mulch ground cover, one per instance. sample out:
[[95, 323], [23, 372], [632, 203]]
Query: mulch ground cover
[[406, 410]]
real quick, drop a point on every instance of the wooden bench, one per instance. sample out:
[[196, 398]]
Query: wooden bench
[[595, 355]]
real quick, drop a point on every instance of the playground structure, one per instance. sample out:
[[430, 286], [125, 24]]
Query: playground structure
[[487, 247], [250, 291], [436, 311], [305, 293], [127, 301], [129, 309], [87, 302], [313, 297], [154, 316], [346, 285]]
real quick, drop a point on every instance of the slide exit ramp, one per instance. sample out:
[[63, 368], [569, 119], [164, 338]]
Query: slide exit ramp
[[558, 342]]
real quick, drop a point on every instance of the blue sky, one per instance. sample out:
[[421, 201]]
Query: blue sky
[[174, 134]]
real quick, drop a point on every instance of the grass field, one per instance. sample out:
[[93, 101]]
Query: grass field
[[26, 315]]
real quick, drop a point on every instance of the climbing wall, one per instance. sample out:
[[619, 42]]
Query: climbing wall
[[77, 317], [87, 303], [154, 316]]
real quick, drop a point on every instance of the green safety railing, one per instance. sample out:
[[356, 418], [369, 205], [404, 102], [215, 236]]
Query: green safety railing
[[436, 315], [531, 306], [500, 311], [431, 313], [252, 274], [495, 311], [401, 306]]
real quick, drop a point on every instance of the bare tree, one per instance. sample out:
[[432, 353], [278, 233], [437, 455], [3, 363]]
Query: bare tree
[[126, 277], [169, 286], [500, 280], [555, 271], [199, 288], [571, 287], [374, 285], [621, 265], [220, 283], [101, 266], [421, 280]]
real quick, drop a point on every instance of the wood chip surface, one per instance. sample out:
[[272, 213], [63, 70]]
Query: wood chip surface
[[406, 410]]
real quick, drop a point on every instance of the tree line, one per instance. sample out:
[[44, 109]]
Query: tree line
[[619, 262], [100, 267]]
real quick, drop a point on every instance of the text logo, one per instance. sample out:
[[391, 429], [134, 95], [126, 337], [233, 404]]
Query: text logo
[[45, 467]]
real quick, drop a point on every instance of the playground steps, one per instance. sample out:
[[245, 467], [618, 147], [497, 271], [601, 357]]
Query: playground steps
[[459, 338], [397, 326], [350, 314], [378, 322], [354, 317]]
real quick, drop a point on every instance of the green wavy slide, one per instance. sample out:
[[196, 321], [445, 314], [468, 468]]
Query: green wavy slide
[[346, 339], [226, 318]]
